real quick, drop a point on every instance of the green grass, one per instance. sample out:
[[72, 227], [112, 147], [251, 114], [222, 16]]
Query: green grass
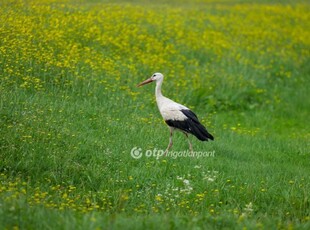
[[70, 114]]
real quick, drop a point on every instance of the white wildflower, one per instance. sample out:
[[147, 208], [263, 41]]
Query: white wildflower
[[186, 182], [248, 207]]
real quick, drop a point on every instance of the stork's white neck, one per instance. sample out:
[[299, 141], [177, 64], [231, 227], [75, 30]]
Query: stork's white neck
[[158, 89]]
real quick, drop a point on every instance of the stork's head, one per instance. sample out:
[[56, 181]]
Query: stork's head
[[155, 77]]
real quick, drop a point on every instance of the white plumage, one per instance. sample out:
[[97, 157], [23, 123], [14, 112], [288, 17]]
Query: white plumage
[[177, 116], [170, 110]]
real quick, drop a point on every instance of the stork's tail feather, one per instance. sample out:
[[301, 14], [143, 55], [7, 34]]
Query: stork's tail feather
[[193, 127], [200, 132]]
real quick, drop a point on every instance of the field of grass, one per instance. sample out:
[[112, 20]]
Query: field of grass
[[70, 114]]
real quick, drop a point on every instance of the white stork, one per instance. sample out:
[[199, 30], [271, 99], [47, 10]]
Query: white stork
[[177, 116]]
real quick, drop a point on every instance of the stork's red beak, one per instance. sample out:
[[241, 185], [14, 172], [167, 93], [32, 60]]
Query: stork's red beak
[[145, 82]]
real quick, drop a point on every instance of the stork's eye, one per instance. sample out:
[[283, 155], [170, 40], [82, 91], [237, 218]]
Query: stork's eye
[[154, 75]]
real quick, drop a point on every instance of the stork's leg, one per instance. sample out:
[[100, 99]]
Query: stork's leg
[[170, 141], [189, 143]]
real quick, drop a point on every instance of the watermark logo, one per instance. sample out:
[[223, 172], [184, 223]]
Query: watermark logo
[[137, 153]]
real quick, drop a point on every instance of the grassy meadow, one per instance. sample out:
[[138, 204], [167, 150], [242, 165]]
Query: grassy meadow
[[70, 114]]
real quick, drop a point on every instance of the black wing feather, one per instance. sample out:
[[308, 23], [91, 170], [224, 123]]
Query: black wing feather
[[190, 114], [191, 125]]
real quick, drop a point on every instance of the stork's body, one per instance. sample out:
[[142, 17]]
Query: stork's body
[[177, 116]]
